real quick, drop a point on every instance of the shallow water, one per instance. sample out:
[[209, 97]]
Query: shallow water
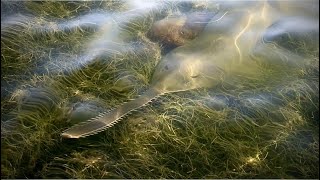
[[229, 79]]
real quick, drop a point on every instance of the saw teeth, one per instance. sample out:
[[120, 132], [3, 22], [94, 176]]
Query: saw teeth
[[92, 119], [103, 117]]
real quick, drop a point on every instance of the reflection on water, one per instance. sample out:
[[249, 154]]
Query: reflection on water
[[239, 66]]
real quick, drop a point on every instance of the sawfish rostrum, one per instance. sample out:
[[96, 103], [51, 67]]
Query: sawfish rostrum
[[218, 52]]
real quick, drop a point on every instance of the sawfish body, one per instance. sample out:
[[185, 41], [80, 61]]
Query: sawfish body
[[170, 76], [221, 51]]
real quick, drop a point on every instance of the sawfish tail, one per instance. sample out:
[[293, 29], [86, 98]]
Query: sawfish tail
[[108, 119]]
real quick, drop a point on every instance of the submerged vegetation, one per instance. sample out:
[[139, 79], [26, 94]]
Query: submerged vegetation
[[238, 129]]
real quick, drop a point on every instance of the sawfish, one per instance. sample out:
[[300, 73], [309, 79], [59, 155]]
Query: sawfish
[[219, 52], [170, 76]]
